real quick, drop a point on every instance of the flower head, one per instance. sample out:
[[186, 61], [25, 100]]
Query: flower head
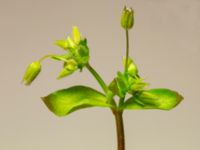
[[77, 50]]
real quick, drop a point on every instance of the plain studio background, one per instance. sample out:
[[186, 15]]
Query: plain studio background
[[164, 44]]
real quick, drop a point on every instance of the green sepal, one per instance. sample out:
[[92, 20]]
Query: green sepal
[[163, 99], [66, 101], [119, 86], [83, 49], [122, 83]]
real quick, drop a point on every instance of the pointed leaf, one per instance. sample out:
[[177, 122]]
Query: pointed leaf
[[164, 99], [65, 101]]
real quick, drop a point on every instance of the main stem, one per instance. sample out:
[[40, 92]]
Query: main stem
[[120, 130], [117, 113]]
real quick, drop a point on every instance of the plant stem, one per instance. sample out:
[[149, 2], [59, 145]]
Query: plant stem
[[120, 130], [127, 51], [44, 57], [98, 78]]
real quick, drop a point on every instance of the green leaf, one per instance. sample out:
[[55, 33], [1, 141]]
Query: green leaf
[[65, 101], [164, 99]]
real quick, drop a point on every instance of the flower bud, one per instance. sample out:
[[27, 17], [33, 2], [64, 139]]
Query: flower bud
[[127, 18], [31, 72], [69, 67], [132, 68], [76, 35], [62, 43]]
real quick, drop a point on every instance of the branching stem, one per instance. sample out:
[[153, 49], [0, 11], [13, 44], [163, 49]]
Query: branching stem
[[45, 57], [118, 113], [97, 77]]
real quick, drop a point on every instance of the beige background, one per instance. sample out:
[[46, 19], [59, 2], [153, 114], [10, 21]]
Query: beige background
[[164, 44]]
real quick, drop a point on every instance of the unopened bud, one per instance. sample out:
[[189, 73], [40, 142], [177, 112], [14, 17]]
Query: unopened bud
[[69, 67], [127, 19], [132, 68], [31, 72]]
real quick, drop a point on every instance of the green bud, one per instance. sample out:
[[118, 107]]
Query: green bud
[[62, 43], [127, 18], [76, 35], [69, 67], [31, 72], [138, 85], [132, 68], [71, 42]]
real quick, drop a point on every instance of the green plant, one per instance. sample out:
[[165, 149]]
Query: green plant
[[128, 86]]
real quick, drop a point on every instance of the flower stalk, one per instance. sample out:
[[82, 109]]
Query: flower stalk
[[97, 77], [127, 50]]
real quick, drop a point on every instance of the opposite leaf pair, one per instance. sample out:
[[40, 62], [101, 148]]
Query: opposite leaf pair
[[66, 101]]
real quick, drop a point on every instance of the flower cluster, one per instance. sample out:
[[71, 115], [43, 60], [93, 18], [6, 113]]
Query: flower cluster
[[77, 57], [127, 82], [78, 53]]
